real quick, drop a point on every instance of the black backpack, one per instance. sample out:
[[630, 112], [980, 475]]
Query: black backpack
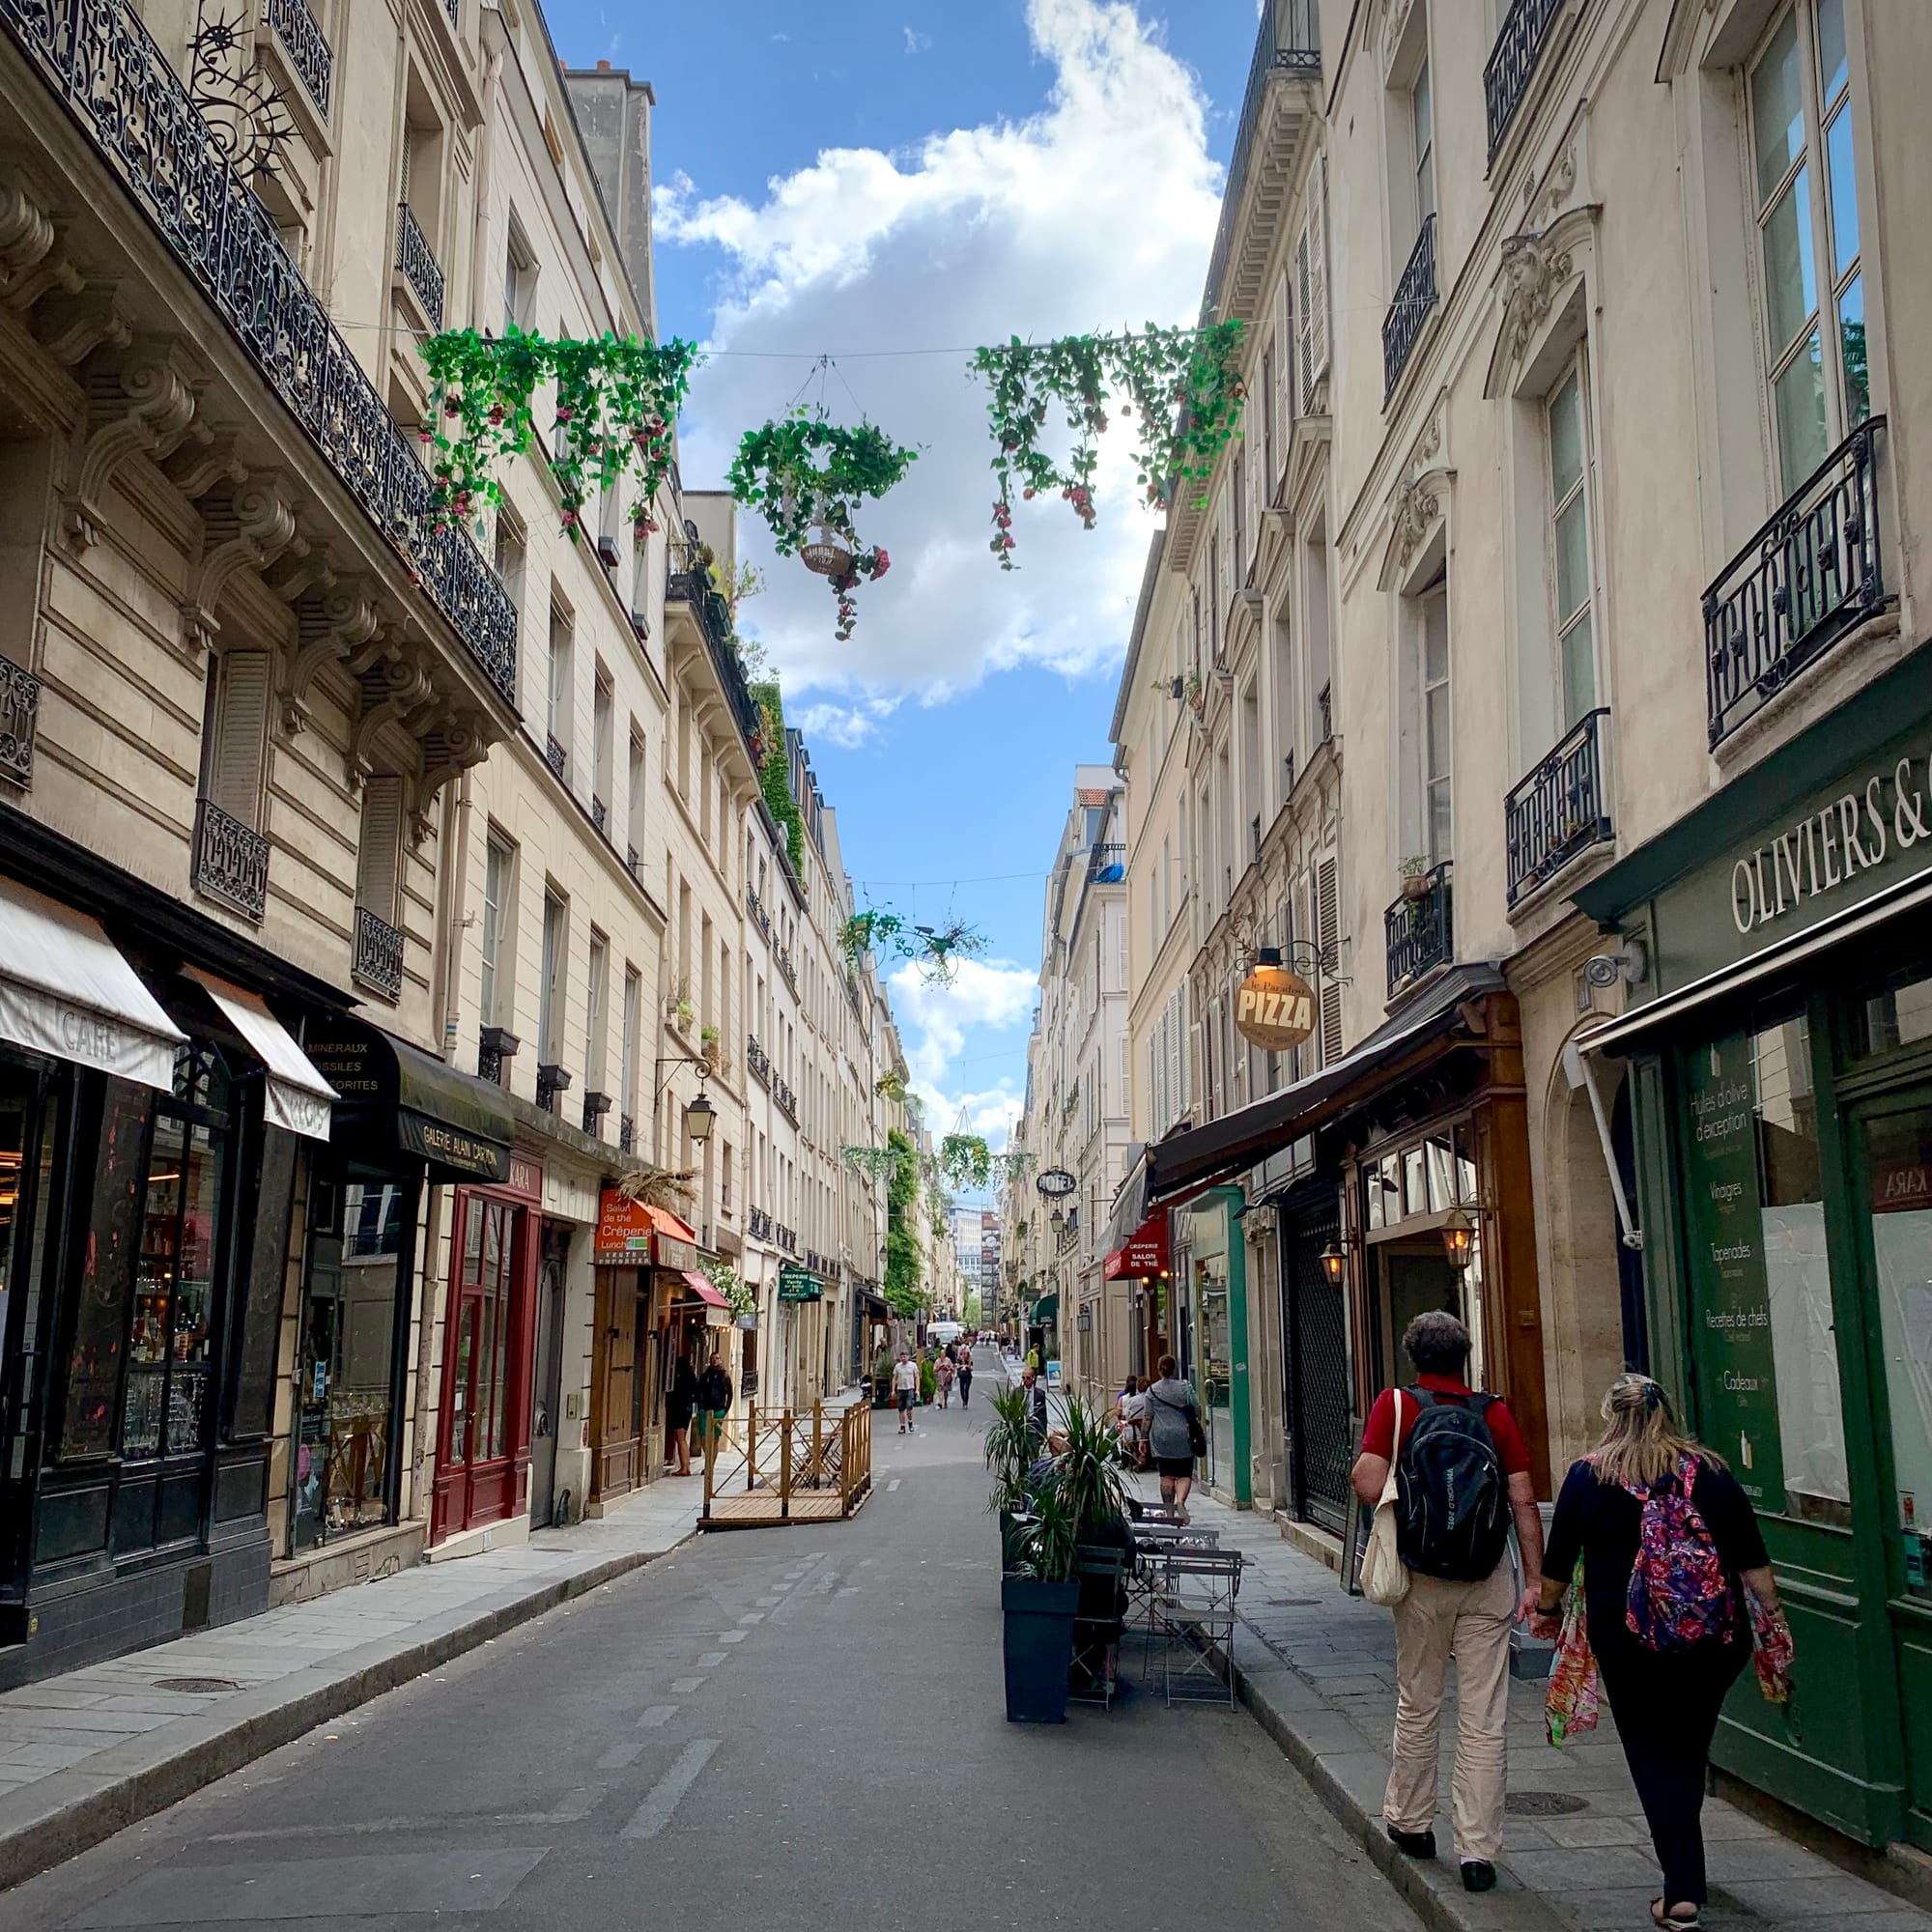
[[1451, 1500]]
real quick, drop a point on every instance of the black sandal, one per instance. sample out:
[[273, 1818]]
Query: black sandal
[[1668, 1922]]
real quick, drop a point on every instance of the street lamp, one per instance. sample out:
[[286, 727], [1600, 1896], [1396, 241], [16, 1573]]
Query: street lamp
[[700, 1118], [1332, 1264], [1458, 1234]]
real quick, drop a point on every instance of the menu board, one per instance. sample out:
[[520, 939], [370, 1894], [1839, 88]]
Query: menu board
[[1730, 1291]]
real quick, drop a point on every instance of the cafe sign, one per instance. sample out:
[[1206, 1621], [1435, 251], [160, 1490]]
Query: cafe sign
[[1274, 1009]]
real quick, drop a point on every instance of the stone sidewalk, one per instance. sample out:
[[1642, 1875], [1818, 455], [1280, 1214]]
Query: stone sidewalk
[[83, 1756], [1318, 1669]]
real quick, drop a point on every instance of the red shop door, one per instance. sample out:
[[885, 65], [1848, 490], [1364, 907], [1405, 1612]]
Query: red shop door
[[483, 1447]]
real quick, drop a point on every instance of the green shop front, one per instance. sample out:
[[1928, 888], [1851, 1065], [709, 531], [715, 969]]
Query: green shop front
[[1780, 1058], [1217, 1359]]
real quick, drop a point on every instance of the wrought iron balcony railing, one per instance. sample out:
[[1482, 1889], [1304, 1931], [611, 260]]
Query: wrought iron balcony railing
[[787, 1100], [1324, 704], [1106, 864], [377, 960], [1414, 298], [231, 860], [600, 814], [758, 1225], [1561, 809], [627, 1135], [595, 1106], [118, 86], [1288, 47], [1811, 574], [759, 912], [19, 718], [1418, 931], [789, 971], [757, 1059], [555, 755], [633, 862], [1511, 61], [690, 579], [306, 45], [416, 259]]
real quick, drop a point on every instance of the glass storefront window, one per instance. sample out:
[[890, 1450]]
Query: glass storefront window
[[1442, 1161], [1798, 1274], [1416, 1188], [1896, 1015], [107, 1258], [1898, 1173], [347, 1399]]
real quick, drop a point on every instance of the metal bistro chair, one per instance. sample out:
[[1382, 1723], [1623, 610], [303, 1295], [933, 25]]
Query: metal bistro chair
[[1193, 1612], [1154, 1544], [1103, 1579]]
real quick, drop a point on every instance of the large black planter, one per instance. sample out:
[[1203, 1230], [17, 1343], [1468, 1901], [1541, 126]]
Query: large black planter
[[1038, 1620]]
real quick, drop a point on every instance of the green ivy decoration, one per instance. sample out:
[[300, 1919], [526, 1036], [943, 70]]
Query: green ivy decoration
[[1184, 384], [933, 949], [774, 772], [868, 931], [617, 404], [966, 1160], [804, 471], [890, 1086], [873, 1162], [903, 1264]]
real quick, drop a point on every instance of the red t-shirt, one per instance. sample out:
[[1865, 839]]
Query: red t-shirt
[[1511, 1449]]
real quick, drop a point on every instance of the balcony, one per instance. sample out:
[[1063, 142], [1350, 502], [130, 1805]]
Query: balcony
[[1278, 103], [554, 754], [552, 1082], [19, 717], [1560, 810], [759, 912], [230, 861], [757, 1059], [633, 864], [787, 1100], [494, 1045], [1810, 576], [1417, 928], [595, 1106], [1513, 61], [377, 962], [1106, 865], [1414, 298], [689, 580], [417, 261], [627, 1135], [785, 967], [599, 815], [306, 47], [759, 1224], [99, 59], [1325, 705]]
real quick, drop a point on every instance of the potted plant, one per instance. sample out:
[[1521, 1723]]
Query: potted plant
[[707, 1043], [1011, 1447], [1038, 1602], [1415, 879], [686, 1014]]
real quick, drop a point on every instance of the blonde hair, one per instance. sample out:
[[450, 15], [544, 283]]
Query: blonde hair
[[1641, 1440]]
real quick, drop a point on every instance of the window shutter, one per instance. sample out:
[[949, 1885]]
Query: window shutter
[[378, 859], [1282, 402], [1328, 936], [239, 741], [1318, 263]]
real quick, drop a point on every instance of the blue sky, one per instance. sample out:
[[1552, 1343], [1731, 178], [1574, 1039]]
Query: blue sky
[[873, 177]]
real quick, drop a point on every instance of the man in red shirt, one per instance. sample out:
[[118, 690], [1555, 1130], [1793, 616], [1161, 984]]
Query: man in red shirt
[[1440, 1619]]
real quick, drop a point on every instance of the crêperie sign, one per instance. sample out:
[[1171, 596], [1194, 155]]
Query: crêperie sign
[[1274, 1009], [1056, 1183]]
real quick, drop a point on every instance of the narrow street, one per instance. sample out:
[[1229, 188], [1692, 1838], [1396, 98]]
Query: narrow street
[[766, 1729]]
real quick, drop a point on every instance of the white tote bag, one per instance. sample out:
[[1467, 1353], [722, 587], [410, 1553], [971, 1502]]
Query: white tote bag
[[1385, 1575]]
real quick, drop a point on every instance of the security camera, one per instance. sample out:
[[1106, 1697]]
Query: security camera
[[1631, 965]]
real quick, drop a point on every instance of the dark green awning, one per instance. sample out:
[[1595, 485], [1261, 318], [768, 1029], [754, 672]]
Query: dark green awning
[[1047, 1312], [410, 1101]]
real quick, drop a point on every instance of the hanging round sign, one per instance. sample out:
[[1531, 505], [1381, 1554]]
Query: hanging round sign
[[1274, 1009], [1056, 1183]]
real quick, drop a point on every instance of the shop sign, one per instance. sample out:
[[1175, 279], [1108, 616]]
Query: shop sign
[[1056, 1183], [624, 1232], [1274, 1009], [796, 1284], [418, 1134], [1901, 1187], [1731, 1305]]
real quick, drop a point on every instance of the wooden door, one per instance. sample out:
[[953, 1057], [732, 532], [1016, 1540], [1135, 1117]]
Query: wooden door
[[476, 1479], [613, 1399]]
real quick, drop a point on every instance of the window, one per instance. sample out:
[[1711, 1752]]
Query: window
[[379, 851], [557, 712], [1570, 540], [627, 1072], [497, 887], [1269, 403], [520, 281], [1806, 190], [550, 992], [634, 793], [596, 998], [601, 751], [1239, 486], [235, 738], [1422, 138], [1311, 286], [512, 550], [1434, 667]]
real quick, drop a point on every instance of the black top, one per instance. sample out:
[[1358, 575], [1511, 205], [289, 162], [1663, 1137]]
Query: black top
[[714, 1388], [682, 1396], [1604, 1523]]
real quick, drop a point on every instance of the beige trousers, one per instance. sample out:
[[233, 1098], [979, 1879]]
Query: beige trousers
[[1470, 1622]]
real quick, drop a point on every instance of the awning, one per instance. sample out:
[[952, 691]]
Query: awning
[[413, 1102], [700, 1286], [1047, 1312], [66, 991], [298, 1098], [1144, 1252], [1186, 1164], [1618, 1036]]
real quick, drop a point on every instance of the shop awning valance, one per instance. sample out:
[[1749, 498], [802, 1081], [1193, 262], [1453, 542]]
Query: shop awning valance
[[1047, 1312], [704, 1292], [64, 990], [296, 1097], [1186, 1164], [1144, 1252], [413, 1102]]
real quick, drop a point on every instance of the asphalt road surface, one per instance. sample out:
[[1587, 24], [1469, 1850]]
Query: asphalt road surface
[[771, 1728]]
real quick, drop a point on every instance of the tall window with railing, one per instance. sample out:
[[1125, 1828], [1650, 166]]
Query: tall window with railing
[[1805, 187], [1567, 417]]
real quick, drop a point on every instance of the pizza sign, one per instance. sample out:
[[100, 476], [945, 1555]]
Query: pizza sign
[[1274, 1008]]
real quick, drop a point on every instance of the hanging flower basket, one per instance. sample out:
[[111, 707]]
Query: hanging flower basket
[[828, 554]]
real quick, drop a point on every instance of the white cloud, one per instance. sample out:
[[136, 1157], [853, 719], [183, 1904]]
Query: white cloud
[[1097, 212], [847, 725], [935, 1015], [917, 43]]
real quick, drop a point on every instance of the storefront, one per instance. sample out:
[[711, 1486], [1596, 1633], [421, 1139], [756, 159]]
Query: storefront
[[1409, 1189], [152, 1128], [1140, 1259], [1781, 1066]]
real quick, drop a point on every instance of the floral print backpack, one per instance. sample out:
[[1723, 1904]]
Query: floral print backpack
[[1679, 1594]]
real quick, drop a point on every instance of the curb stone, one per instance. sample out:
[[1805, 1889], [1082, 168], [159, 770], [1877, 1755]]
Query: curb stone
[[59, 1817]]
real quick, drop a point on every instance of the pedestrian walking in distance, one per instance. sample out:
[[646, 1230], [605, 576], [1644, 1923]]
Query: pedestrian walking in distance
[[680, 1405], [905, 1389], [1461, 1476], [1669, 1544], [1175, 1437], [966, 1376], [943, 1374]]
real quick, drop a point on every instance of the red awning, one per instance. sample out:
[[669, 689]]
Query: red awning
[[667, 1222], [704, 1290], [1145, 1252]]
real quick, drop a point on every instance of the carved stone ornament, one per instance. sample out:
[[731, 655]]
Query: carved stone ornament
[[244, 528], [1417, 506], [1534, 270], [144, 408]]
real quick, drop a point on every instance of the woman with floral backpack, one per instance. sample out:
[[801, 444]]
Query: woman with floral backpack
[[1676, 1588]]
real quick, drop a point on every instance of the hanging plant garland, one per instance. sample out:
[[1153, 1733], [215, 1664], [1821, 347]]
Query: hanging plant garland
[[1183, 383], [867, 931], [966, 1160], [804, 472], [876, 1163], [617, 402], [934, 949]]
